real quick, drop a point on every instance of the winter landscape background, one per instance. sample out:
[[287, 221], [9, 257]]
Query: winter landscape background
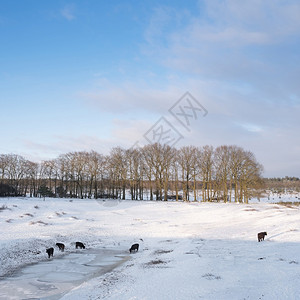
[[172, 124]]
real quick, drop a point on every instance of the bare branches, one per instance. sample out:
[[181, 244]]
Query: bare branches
[[154, 172]]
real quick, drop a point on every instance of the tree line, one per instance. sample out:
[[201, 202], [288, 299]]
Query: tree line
[[282, 185], [153, 172]]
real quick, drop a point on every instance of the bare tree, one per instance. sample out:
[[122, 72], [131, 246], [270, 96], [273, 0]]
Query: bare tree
[[206, 172], [188, 165], [222, 168], [148, 158], [119, 167], [154, 169]]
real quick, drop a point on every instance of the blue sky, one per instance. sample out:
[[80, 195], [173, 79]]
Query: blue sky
[[82, 75]]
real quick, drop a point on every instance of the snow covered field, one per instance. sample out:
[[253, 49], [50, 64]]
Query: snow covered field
[[187, 250]]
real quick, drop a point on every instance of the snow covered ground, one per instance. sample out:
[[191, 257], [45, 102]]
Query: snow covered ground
[[273, 197], [187, 250]]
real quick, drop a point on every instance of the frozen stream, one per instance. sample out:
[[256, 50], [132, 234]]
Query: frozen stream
[[53, 278]]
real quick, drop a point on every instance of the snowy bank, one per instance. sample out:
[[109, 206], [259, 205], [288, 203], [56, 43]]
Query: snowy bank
[[187, 251]]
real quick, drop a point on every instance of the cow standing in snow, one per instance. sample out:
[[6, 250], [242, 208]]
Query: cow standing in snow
[[50, 252], [80, 245], [261, 236], [60, 246], [134, 247]]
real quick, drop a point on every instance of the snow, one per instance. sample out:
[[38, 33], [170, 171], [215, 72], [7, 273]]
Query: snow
[[187, 250], [55, 277]]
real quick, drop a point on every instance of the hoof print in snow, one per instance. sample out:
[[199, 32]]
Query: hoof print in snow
[[28, 214], [210, 276], [293, 262], [158, 252], [155, 263], [261, 258], [3, 207], [38, 222]]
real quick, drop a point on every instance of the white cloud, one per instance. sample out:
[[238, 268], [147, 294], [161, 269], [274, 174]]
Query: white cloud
[[131, 97], [274, 19], [129, 132], [68, 12], [238, 60], [250, 127], [59, 144], [220, 40]]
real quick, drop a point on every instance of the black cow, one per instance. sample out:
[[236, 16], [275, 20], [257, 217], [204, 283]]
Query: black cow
[[50, 252], [134, 247], [261, 236], [80, 245], [60, 246]]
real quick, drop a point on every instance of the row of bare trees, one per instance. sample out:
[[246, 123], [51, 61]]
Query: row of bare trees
[[154, 172]]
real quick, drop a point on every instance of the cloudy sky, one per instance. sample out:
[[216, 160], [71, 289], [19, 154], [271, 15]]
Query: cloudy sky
[[89, 74]]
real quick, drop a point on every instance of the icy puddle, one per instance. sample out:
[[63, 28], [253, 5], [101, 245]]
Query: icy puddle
[[53, 278]]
